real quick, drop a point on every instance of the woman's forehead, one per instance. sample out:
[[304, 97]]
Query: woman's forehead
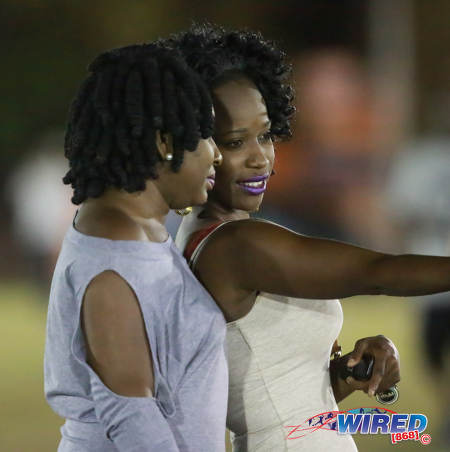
[[238, 103]]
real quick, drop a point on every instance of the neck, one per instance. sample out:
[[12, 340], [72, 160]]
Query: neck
[[216, 211], [135, 216]]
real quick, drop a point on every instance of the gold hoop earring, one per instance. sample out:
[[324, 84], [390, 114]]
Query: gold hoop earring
[[184, 212]]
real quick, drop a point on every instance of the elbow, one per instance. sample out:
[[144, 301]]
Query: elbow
[[132, 387], [126, 385], [377, 277], [376, 290]]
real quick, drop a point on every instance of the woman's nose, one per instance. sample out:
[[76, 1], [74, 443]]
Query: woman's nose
[[217, 155], [258, 157]]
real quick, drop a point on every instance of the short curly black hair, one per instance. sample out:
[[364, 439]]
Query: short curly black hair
[[217, 54], [130, 93]]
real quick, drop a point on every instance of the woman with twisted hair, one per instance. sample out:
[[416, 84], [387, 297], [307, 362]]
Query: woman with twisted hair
[[135, 345], [272, 284]]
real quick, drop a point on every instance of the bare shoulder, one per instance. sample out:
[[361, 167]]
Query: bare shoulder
[[235, 244], [110, 303], [117, 344], [109, 287], [235, 261], [242, 234]]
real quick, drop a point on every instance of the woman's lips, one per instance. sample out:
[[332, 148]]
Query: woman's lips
[[254, 185], [211, 181]]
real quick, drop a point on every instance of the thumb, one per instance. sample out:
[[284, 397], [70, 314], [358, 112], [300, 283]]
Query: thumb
[[356, 385], [357, 354]]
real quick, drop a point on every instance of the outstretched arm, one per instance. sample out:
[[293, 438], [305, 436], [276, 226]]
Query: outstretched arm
[[258, 255], [122, 379]]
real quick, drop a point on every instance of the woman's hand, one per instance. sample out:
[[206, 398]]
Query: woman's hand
[[385, 373], [386, 368]]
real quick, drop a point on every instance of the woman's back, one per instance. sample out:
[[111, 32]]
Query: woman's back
[[185, 330]]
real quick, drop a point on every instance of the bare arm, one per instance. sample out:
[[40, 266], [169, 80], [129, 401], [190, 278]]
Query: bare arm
[[119, 353], [257, 255], [117, 345]]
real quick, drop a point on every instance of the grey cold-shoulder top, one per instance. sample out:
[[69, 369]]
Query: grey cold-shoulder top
[[186, 333]]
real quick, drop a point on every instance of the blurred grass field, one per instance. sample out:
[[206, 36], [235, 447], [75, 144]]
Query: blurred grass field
[[26, 422], [28, 425]]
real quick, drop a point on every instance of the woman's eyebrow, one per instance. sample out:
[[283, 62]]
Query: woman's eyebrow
[[267, 124], [235, 131]]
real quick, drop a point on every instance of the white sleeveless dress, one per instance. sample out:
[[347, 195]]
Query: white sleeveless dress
[[278, 364], [278, 359]]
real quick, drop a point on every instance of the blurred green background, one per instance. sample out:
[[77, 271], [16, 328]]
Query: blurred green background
[[28, 424], [368, 164]]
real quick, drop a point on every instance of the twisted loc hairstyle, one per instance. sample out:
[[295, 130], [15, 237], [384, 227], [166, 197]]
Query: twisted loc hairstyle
[[219, 55], [131, 93]]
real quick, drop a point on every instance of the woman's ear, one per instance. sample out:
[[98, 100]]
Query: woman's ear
[[164, 146]]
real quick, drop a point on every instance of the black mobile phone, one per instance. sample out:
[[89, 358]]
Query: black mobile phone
[[362, 372]]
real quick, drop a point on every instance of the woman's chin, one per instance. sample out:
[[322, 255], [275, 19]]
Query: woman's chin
[[255, 209], [251, 205], [237, 201], [200, 199]]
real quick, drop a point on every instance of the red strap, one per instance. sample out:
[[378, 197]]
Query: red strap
[[196, 238]]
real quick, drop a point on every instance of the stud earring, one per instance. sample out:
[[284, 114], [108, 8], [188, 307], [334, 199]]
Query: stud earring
[[169, 157], [184, 212]]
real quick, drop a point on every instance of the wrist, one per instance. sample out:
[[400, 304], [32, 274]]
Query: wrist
[[341, 388]]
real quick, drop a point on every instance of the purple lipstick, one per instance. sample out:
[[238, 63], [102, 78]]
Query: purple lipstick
[[254, 185], [212, 181]]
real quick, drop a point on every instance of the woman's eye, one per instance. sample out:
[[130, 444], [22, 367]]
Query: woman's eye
[[234, 144]]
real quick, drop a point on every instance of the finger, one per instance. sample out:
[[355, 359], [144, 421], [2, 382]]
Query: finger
[[358, 352], [391, 377], [386, 384], [357, 385], [393, 368], [377, 375]]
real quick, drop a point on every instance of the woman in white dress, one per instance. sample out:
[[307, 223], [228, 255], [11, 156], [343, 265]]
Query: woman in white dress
[[279, 351]]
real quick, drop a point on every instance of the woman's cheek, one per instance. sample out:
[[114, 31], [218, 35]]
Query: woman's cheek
[[232, 166], [223, 173]]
